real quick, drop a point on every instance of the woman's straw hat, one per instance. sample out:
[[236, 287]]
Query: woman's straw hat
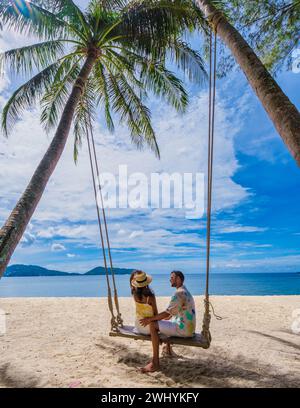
[[141, 279]]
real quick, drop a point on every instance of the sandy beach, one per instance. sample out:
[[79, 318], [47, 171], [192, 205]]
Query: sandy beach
[[64, 342]]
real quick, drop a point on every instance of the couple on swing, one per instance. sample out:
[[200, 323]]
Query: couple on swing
[[178, 320]]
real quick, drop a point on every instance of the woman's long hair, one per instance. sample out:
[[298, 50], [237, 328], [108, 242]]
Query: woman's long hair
[[146, 291]]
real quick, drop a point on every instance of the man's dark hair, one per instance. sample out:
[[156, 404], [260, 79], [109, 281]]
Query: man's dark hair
[[179, 274]]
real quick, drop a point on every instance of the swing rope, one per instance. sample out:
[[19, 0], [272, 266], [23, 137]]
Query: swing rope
[[116, 298], [113, 321], [211, 128]]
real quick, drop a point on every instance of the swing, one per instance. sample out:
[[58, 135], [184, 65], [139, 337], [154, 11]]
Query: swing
[[118, 329]]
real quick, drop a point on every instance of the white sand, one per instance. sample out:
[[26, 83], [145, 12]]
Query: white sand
[[53, 342]]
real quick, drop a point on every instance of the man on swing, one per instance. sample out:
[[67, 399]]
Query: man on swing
[[178, 320]]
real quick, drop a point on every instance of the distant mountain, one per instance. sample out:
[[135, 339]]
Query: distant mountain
[[33, 270], [101, 271]]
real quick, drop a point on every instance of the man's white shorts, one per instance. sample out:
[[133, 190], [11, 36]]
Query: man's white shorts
[[168, 328]]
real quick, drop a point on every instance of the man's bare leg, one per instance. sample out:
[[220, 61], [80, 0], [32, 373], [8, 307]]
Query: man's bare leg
[[154, 364], [167, 349]]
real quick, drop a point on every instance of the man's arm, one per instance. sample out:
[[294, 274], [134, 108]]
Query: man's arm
[[160, 316], [172, 310]]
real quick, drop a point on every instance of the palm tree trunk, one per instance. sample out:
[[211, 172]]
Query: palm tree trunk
[[14, 227], [280, 109]]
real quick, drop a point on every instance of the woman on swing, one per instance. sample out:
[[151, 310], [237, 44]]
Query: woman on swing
[[146, 307], [144, 298]]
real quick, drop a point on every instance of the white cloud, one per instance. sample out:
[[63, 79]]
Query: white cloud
[[57, 247], [4, 83], [69, 195], [240, 228], [65, 231], [27, 239], [234, 265], [136, 234], [276, 263]]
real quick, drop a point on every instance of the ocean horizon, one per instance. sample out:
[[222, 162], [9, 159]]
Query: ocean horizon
[[247, 284]]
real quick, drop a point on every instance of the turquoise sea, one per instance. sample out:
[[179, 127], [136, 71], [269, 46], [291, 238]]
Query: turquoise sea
[[256, 284]]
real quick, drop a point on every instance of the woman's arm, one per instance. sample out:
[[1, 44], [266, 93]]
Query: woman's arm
[[152, 302], [155, 311]]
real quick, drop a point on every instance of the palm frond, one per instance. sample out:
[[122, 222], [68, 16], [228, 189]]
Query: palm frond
[[68, 11], [101, 18], [148, 23], [84, 116], [27, 18], [26, 96], [37, 56], [153, 77], [107, 5], [122, 63], [101, 88], [132, 111], [162, 82], [55, 97], [187, 60], [105, 33], [161, 16]]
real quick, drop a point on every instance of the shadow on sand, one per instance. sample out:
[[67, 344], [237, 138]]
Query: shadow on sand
[[206, 368], [279, 339], [11, 378]]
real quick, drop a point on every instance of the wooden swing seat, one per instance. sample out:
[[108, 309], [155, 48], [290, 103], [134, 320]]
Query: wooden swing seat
[[196, 341]]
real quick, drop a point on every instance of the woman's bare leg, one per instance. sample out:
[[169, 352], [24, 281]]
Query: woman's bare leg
[[154, 364]]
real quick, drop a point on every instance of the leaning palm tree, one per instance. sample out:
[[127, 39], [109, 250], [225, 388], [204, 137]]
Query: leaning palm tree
[[280, 109], [112, 55]]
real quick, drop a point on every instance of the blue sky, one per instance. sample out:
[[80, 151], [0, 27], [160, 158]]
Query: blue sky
[[256, 217]]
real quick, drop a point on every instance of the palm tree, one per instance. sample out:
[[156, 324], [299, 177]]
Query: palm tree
[[111, 56], [280, 109]]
